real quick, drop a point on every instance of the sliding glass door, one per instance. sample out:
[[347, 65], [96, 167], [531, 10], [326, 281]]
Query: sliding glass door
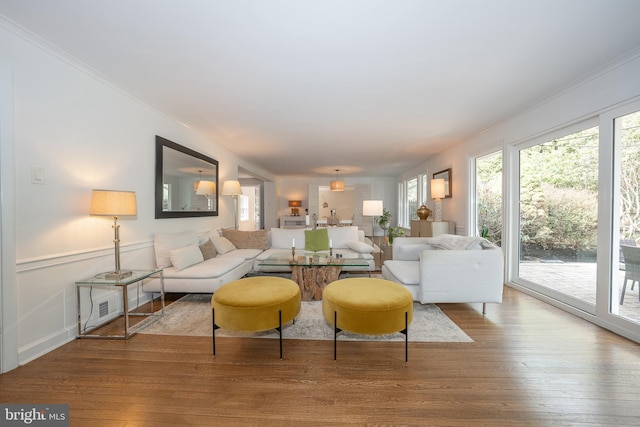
[[625, 300], [558, 216], [566, 211]]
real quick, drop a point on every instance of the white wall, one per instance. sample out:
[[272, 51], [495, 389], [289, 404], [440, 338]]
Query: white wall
[[612, 86], [85, 134]]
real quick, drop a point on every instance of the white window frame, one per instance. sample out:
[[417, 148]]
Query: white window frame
[[404, 216]]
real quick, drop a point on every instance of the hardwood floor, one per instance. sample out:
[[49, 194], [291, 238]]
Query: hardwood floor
[[530, 365]]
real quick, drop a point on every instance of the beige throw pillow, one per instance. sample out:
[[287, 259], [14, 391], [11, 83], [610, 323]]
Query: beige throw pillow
[[258, 239], [208, 250]]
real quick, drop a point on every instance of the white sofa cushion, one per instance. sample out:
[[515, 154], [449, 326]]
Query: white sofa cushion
[[406, 272], [360, 247], [165, 242], [341, 236], [243, 253], [187, 256], [412, 252], [281, 238], [213, 267]]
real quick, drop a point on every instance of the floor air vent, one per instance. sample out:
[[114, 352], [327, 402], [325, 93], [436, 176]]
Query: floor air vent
[[104, 308]]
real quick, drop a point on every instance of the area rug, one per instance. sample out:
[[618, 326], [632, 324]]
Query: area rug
[[191, 316]]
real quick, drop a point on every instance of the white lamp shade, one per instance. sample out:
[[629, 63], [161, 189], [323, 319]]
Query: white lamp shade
[[372, 207], [231, 188], [113, 203], [206, 188], [437, 189]]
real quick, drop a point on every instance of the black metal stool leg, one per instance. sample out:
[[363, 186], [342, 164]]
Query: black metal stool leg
[[405, 331], [280, 330], [213, 334], [336, 331]]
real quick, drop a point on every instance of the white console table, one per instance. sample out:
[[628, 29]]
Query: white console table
[[291, 221]]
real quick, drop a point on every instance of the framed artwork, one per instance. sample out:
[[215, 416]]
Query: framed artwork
[[446, 175]]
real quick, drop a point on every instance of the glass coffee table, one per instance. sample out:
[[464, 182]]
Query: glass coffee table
[[314, 271]]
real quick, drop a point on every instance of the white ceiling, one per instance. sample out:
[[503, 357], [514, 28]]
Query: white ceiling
[[371, 87]]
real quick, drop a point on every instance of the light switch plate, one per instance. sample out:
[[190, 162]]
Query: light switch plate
[[37, 175]]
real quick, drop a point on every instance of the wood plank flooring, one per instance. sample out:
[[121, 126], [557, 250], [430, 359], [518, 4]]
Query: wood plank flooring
[[530, 365]]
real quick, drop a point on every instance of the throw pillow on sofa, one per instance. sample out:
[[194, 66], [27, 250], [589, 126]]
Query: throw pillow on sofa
[[182, 258], [208, 250], [257, 239], [341, 236], [316, 240], [165, 242], [223, 245], [360, 247], [282, 238]]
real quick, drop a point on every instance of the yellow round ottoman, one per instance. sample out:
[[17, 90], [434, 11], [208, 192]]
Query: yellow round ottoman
[[255, 304], [367, 306]]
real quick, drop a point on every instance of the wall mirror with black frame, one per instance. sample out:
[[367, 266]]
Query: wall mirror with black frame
[[186, 182]]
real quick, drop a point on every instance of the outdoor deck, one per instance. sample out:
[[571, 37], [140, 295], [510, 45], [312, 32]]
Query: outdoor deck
[[579, 280]]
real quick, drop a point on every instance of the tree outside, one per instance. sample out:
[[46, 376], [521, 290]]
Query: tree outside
[[559, 194]]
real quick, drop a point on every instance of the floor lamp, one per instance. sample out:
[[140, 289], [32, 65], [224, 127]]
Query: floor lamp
[[233, 189], [373, 208], [114, 204]]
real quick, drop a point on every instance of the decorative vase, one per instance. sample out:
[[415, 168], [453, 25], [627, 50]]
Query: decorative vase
[[423, 212]]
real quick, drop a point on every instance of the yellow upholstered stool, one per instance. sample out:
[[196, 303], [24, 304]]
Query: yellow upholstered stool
[[367, 306], [255, 304]]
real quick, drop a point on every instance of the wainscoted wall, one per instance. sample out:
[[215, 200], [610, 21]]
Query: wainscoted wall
[[47, 297], [84, 133]]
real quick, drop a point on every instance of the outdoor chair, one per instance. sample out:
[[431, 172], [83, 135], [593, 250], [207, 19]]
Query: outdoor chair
[[625, 242], [631, 268]]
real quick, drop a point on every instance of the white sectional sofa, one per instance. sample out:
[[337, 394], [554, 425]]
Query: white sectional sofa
[[447, 269], [346, 241], [202, 262], [186, 272]]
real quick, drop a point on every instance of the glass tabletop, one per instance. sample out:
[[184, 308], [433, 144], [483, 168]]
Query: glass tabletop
[[311, 259], [101, 279]]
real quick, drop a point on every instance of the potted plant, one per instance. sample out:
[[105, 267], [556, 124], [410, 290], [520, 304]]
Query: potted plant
[[383, 221], [395, 232]]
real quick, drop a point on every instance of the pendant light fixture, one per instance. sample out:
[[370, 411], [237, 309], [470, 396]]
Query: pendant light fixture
[[197, 183], [337, 184]]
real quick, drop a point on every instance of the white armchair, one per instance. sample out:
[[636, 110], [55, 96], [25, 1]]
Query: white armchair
[[436, 275]]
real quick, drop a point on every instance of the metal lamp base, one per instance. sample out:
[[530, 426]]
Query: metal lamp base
[[117, 275]]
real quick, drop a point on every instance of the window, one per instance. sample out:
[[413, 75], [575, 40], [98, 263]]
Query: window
[[413, 193], [489, 197], [244, 207]]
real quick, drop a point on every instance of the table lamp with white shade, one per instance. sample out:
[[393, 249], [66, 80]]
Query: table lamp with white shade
[[437, 193], [114, 203]]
